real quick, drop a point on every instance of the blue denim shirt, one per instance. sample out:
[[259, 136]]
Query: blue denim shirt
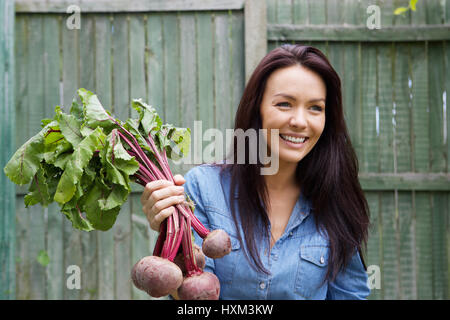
[[297, 261]]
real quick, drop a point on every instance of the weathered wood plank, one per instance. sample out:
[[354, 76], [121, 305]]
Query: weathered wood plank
[[284, 12], [206, 94], [89, 281], [284, 32], [255, 16], [390, 263], [374, 244], [300, 12], [406, 246], [73, 255], [370, 147], [317, 12], [36, 109], [237, 60], [138, 89], [405, 181], [439, 250], [21, 135], [222, 80], [138, 84], [7, 145], [103, 88], [188, 76], [54, 237], [155, 62], [60, 6], [424, 254], [171, 69], [121, 102], [140, 243]]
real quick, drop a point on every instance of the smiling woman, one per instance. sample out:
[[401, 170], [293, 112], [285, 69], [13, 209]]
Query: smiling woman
[[294, 103], [298, 233]]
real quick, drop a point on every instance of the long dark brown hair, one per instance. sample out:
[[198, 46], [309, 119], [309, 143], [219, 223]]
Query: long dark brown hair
[[327, 175]]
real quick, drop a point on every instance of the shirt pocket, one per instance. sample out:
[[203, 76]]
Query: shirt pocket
[[312, 268], [226, 266]]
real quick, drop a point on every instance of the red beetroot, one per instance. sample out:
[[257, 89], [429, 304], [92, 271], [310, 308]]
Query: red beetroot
[[203, 286], [199, 259], [157, 276], [217, 244]]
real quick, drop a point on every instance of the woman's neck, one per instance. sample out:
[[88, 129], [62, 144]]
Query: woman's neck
[[284, 179]]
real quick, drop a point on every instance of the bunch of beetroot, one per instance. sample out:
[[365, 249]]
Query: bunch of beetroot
[[176, 266], [85, 160]]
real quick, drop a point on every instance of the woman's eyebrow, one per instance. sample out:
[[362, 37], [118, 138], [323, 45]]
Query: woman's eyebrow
[[293, 98]]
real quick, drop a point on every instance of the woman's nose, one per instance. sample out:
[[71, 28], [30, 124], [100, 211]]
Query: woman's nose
[[298, 118]]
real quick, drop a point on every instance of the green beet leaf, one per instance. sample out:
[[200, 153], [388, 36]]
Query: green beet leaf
[[25, 162], [75, 166]]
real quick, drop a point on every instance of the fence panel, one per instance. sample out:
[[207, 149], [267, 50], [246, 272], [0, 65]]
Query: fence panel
[[188, 64], [395, 83]]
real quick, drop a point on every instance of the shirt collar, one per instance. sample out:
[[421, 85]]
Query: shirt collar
[[301, 210]]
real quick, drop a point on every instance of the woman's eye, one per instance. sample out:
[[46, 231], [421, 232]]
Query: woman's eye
[[317, 108], [283, 104]]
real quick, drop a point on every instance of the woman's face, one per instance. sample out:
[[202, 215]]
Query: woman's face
[[294, 103]]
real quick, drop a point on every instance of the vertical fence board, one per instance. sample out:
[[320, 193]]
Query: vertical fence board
[[54, 223], [300, 11], [138, 89], [205, 74], [423, 246], [7, 129], [188, 75], [73, 255], [21, 134], [37, 112], [89, 280], [121, 98], [374, 245], [237, 60], [103, 88], [223, 117], [155, 62]]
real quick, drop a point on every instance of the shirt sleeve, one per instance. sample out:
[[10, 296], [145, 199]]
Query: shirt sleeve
[[351, 283], [194, 192]]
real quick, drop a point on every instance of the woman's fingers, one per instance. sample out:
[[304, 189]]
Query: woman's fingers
[[151, 187], [159, 218], [160, 197], [179, 180], [164, 193], [166, 202]]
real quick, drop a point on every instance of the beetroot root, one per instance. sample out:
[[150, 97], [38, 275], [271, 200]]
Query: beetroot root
[[157, 276], [217, 244], [204, 286], [199, 259]]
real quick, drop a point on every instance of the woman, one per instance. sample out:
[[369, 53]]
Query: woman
[[298, 233]]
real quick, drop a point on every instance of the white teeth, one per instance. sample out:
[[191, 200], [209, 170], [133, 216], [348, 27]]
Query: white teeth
[[293, 139]]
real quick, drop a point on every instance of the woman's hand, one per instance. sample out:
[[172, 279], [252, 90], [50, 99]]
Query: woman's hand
[[160, 197]]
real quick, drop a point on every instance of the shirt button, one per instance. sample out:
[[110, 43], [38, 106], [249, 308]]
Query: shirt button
[[262, 285], [322, 260]]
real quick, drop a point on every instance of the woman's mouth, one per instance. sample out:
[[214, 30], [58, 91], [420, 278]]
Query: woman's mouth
[[294, 140]]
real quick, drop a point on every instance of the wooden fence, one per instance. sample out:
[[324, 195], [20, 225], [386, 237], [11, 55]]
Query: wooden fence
[[191, 63], [396, 82]]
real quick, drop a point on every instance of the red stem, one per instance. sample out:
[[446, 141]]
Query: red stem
[[188, 252], [179, 237]]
